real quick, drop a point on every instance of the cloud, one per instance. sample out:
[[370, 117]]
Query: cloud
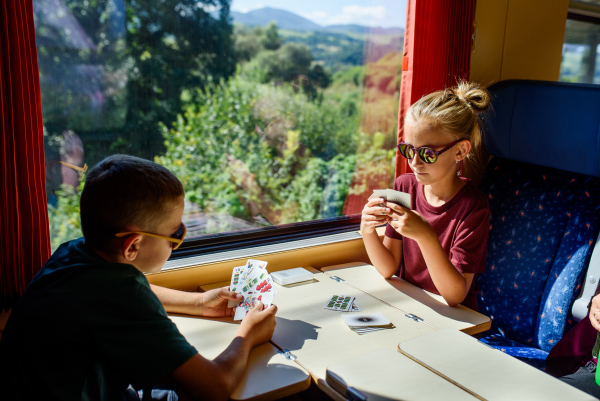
[[359, 14]]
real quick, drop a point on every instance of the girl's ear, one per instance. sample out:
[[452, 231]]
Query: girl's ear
[[463, 149]]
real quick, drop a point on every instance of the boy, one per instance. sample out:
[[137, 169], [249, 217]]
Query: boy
[[89, 324]]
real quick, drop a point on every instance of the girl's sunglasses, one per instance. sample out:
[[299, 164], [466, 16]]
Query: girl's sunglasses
[[176, 238], [426, 154]]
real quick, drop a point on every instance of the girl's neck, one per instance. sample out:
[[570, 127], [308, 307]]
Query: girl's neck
[[439, 194]]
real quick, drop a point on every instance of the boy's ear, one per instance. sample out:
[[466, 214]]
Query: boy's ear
[[130, 247], [464, 147]]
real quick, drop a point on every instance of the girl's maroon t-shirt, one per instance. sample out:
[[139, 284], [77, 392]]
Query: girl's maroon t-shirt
[[462, 226]]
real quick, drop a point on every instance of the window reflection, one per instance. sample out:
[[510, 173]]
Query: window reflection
[[581, 53], [268, 116]]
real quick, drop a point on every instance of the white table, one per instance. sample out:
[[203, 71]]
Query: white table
[[485, 371]]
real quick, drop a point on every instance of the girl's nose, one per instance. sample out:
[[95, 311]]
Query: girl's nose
[[415, 161]]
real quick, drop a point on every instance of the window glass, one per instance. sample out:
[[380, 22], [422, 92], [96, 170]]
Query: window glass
[[581, 53], [270, 115]]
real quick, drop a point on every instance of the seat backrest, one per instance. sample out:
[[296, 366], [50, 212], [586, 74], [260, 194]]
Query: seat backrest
[[544, 197]]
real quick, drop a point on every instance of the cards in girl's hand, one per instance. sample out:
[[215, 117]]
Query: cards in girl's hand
[[391, 195], [340, 303], [255, 284]]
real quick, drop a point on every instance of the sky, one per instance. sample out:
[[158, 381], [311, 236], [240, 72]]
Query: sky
[[383, 13]]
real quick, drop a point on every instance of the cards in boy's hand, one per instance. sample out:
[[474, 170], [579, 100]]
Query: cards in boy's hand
[[391, 195], [255, 284], [340, 303]]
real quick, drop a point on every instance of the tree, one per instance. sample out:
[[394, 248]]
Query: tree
[[271, 39], [171, 46], [111, 70]]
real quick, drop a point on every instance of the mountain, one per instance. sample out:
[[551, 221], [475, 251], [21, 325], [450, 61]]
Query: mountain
[[288, 20], [283, 19]]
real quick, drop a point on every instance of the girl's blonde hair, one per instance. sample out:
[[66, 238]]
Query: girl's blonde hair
[[454, 110]]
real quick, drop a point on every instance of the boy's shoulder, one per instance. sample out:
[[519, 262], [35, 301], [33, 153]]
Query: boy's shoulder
[[74, 263]]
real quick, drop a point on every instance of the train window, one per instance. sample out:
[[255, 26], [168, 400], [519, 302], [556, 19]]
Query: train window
[[276, 119], [581, 49]]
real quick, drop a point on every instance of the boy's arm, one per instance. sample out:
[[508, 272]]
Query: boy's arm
[[201, 378], [212, 303]]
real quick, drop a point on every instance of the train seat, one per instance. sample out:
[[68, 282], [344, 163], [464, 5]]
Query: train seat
[[544, 194]]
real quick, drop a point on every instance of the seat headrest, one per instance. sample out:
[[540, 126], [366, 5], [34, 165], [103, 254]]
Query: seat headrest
[[544, 123]]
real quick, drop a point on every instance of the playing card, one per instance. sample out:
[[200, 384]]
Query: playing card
[[355, 307], [235, 284], [366, 319], [340, 303], [266, 299], [240, 311], [391, 195], [401, 198]]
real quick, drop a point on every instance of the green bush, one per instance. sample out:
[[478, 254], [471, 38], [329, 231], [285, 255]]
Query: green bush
[[257, 151], [65, 223], [262, 153]]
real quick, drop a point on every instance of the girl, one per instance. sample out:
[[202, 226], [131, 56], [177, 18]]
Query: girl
[[440, 244]]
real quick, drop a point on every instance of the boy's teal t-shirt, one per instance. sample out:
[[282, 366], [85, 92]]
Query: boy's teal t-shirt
[[85, 329]]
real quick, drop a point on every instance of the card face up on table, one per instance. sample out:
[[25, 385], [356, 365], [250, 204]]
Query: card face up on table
[[391, 195], [342, 303], [255, 284]]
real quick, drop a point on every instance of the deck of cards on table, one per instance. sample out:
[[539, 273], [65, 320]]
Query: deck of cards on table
[[255, 284], [366, 323]]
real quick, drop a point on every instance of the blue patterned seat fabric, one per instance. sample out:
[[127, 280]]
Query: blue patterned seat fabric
[[544, 223]]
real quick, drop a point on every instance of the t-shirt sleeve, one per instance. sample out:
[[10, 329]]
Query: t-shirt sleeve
[[469, 249], [134, 336], [389, 230]]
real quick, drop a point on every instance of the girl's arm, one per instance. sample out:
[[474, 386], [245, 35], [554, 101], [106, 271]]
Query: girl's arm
[[384, 256], [451, 283]]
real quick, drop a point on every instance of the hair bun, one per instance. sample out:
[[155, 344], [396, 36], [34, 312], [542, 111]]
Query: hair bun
[[475, 95]]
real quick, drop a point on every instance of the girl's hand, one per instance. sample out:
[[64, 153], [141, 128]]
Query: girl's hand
[[409, 223], [595, 312], [374, 215]]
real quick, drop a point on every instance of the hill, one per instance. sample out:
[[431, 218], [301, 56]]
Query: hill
[[283, 19], [290, 21]]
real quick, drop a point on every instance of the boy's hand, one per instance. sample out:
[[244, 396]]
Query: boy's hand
[[258, 325], [373, 214], [409, 223], [214, 302], [595, 312]]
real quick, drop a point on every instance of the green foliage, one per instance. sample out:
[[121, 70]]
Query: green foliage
[[292, 62], [271, 39], [120, 67], [65, 224], [337, 51], [351, 76], [257, 151]]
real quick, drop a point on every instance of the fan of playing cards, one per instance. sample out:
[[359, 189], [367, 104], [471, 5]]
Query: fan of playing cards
[[255, 284]]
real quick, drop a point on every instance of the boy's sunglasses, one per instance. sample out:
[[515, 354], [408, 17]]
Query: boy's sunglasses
[[176, 238], [426, 154]]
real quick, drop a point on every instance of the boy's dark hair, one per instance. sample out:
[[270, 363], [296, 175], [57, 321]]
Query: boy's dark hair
[[122, 191]]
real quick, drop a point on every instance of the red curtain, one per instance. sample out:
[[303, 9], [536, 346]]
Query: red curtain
[[437, 52], [24, 229]]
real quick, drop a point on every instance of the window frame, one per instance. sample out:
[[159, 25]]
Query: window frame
[[220, 242]]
